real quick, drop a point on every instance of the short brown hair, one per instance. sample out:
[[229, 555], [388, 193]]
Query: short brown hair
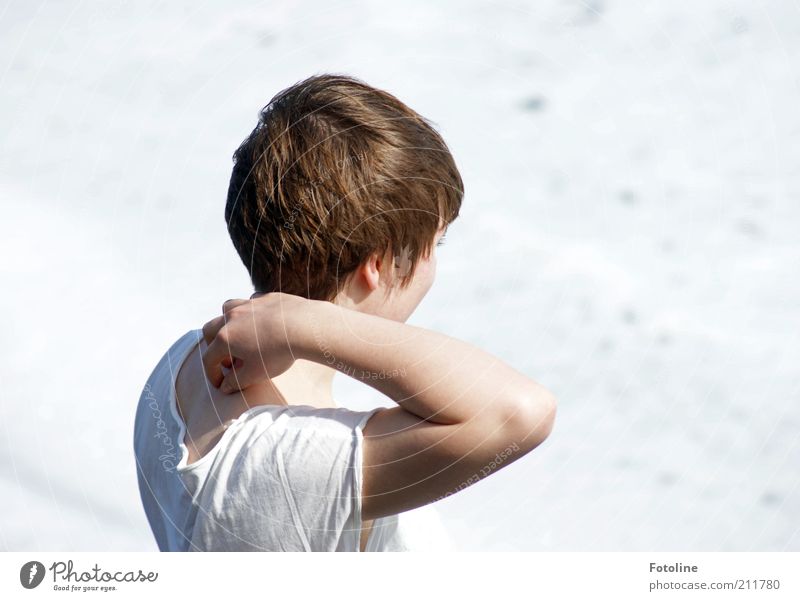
[[334, 171]]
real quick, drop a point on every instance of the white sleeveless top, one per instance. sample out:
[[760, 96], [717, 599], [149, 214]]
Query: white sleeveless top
[[280, 478]]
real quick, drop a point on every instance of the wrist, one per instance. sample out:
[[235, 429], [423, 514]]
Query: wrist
[[306, 330]]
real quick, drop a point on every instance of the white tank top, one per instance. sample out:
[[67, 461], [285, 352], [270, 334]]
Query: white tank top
[[280, 478]]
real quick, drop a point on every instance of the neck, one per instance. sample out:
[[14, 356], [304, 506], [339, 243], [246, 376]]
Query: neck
[[305, 383]]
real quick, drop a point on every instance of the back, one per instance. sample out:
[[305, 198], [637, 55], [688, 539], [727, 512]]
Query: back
[[280, 478]]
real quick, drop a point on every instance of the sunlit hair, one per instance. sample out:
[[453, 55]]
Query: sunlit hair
[[334, 171]]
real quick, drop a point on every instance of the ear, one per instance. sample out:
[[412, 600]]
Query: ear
[[370, 271]]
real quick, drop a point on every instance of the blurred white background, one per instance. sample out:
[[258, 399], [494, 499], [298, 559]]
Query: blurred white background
[[628, 238]]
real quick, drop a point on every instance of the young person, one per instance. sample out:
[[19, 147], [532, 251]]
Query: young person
[[337, 202]]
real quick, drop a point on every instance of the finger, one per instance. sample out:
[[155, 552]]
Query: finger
[[212, 327], [229, 384], [235, 379], [229, 362], [214, 357], [233, 302]]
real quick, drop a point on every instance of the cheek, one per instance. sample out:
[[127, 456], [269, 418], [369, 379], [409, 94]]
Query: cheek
[[412, 296], [431, 272], [427, 275]]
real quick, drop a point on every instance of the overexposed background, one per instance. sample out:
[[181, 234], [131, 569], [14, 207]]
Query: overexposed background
[[629, 238]]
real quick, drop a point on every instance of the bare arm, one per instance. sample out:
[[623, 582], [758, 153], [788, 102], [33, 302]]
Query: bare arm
[[458, 407]]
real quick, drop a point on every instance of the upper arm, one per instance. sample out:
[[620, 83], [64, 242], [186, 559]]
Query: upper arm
[[409, 462]]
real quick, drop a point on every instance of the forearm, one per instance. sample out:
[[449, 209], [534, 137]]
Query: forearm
[[431, 375]]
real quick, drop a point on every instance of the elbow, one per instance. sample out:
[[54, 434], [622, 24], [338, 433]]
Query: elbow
[[534, 419]]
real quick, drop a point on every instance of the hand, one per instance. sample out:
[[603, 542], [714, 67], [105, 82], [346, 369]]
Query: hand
[[252, 339]]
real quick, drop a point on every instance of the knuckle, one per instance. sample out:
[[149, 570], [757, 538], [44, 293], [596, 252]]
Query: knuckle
[[233, 313]]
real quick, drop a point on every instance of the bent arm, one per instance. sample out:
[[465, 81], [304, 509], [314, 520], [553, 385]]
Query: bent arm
[[462, 414], [431, 375]]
